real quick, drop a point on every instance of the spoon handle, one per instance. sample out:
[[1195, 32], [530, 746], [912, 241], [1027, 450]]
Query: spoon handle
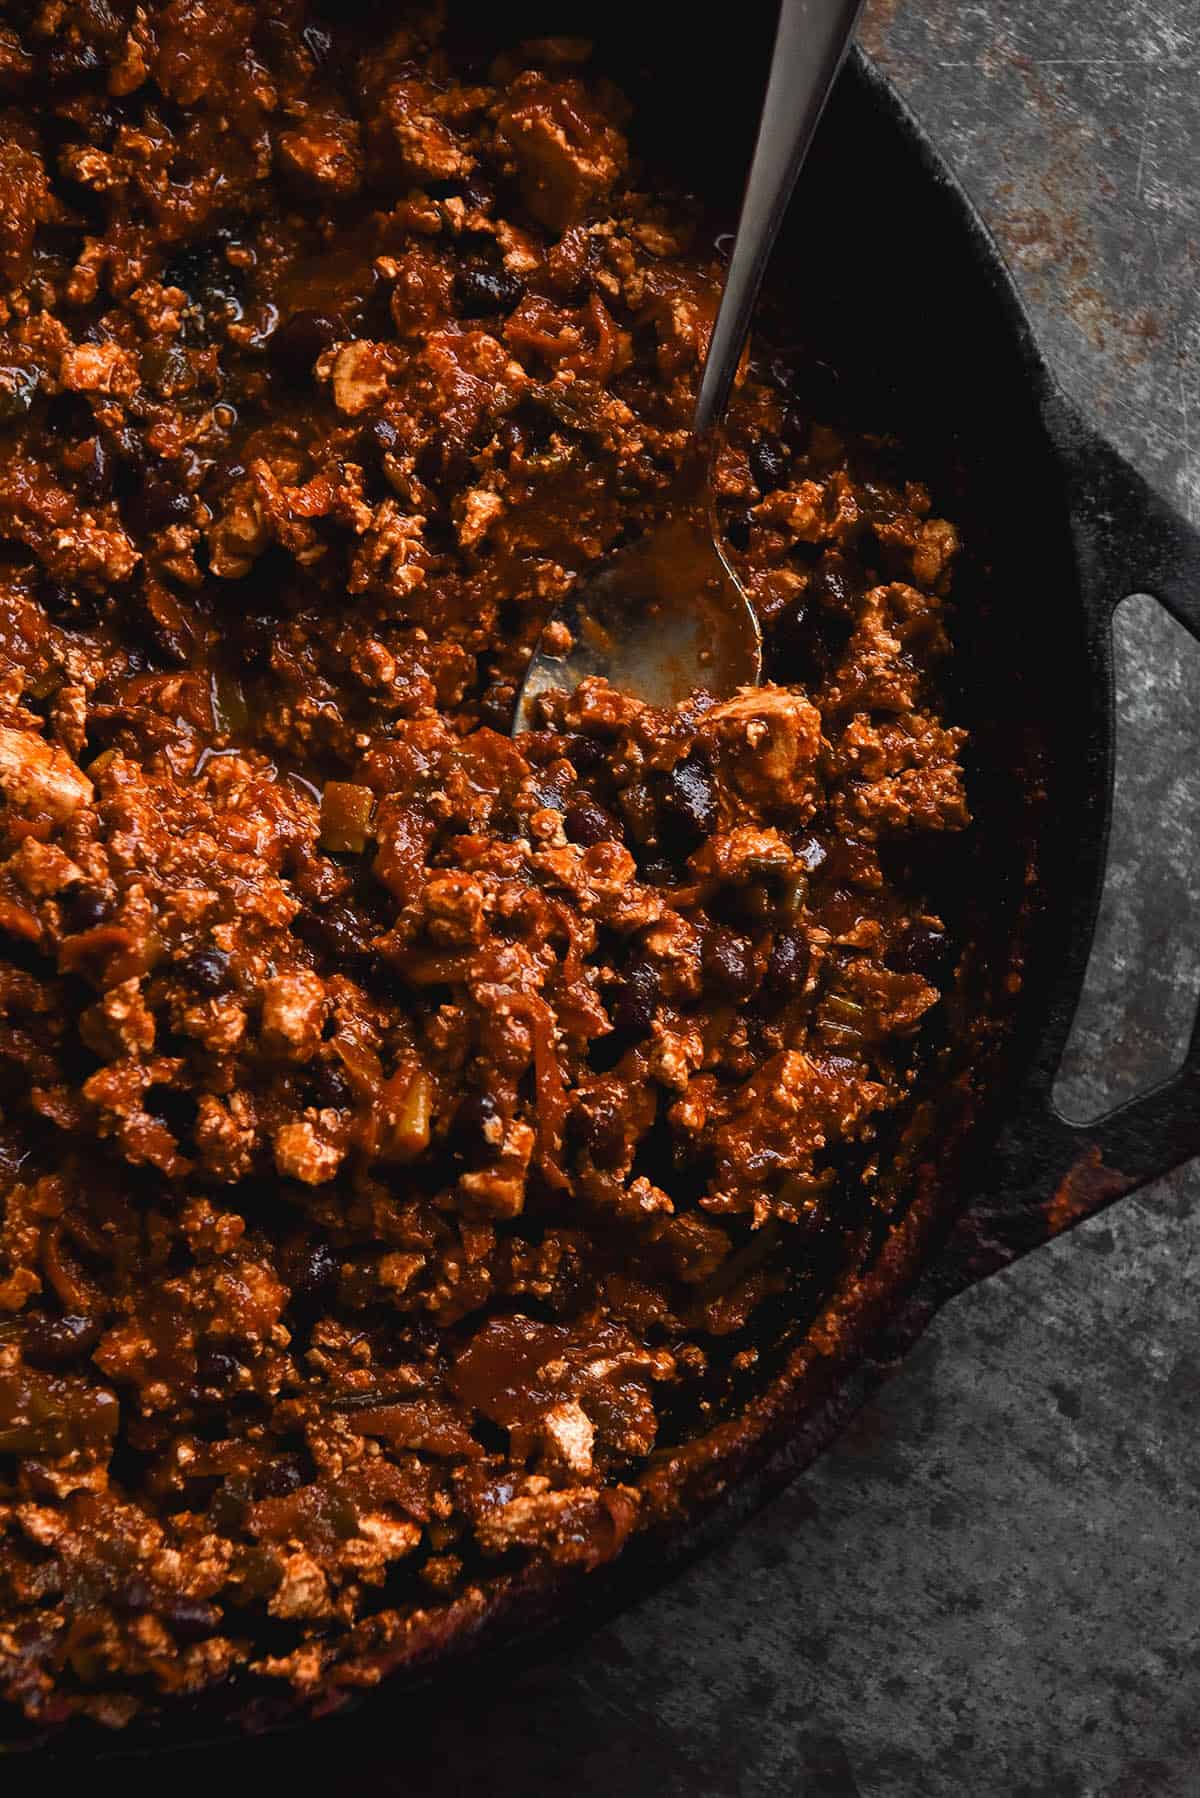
[[812, 39]]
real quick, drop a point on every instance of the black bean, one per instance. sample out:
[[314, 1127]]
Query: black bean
[[537, 424], [444, 188], [256, 634], [127, 477], [384, 980], [136, 1596], [791, 637], [379, 437], [158, 503], [56, 600], [474, 1130], [171, 648], [585, 821], [477, 196], [200, 267], [190, 1619], [330, 1087], [737, 530], [474, 194], [687, 806], [72, 58], [633, 1012], [96, 477], [806, 640], [215, 1367], [479, 291], [177, 1109], [640, 810], [224, 472], [311, 1270], [57, 1341], [430, 462], [657, 870], [443, 459], [544, 787], [787, 967], [600, 1133], [830, 586], [303, 337], [206, 969], [796, 427], [227, 1504], [769, 463], [85, 906], [166, 370], [215, 288], [333, 931], [920, 949], [71, 609], [284, 1476], [583, 753], [729, 963], [68, 414]]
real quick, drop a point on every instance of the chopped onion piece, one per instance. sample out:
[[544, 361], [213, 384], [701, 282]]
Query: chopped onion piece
[[345, 817]]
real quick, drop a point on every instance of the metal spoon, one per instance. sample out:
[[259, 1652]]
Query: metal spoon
[[666, 615]]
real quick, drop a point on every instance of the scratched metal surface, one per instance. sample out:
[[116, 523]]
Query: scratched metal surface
[[989, 1587]]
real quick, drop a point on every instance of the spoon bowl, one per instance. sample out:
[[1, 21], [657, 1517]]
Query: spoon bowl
[[662, 618]]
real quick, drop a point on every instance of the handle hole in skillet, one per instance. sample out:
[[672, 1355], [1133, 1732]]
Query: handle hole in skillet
[[1143, 980]]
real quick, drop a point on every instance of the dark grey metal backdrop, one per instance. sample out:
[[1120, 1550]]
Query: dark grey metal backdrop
[[991, 1586]]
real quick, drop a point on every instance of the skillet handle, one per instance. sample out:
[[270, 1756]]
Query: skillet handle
[[1130, 540], [1045, 1173]]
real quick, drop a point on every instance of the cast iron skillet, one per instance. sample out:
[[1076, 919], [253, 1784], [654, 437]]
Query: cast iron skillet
[[887, 274]]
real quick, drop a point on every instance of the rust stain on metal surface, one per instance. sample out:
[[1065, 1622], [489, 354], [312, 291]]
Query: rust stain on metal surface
[[1040, 211], [1055, 242], [1086, 1186], [1045, 230], [878, 20]]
